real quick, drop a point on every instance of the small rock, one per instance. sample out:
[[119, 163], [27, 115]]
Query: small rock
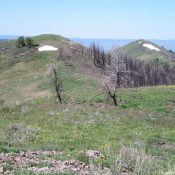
[[93, 154], [52, 113], [24, 109], [66, 110], [44, 169]]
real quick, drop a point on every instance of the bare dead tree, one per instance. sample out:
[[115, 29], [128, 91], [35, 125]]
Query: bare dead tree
[[82, 51], [57, 85], [60, 56], [116, 75], [99, 57]]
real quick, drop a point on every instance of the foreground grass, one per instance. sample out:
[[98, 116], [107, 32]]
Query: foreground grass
[[143, 121]]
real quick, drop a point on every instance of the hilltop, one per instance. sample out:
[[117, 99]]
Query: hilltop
[[25, 69], [146, 50]]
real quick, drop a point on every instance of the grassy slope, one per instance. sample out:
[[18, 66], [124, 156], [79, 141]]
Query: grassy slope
[[144, 119], [136, 50], [23, 73]]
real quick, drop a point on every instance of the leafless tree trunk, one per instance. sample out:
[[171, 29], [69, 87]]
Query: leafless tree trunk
[[113, 95], [60, 56], [99, 57], [57, 84]]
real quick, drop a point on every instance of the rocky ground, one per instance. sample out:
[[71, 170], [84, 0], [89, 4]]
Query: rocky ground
[[46, 162]]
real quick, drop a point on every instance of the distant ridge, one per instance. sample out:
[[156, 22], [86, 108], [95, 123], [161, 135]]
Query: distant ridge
[[147, 50], [108, 43], [8, 37]]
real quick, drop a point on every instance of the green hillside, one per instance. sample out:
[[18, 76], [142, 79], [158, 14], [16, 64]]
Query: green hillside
[[23, 73], [36, 133], [137, 50]]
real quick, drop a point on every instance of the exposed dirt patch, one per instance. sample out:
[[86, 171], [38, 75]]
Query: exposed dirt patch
[[31, 93], [25, 93], [45, 93], [27, 52]]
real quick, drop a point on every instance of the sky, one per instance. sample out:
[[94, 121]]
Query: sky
[[122, 19]]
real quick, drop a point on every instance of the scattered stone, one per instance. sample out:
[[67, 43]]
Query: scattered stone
[[66, 110], [24, 160], [93, 154], [52, 113], [24, 109], [42, 170]]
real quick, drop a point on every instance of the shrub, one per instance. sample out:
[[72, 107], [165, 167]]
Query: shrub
[[23, 42], [18, 133], [99, 99], [136, 161], [30, 42]]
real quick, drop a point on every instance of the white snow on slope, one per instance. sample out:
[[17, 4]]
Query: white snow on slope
[[47, 48], [151, 47]]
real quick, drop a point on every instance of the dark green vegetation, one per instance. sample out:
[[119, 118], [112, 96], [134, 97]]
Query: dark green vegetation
[[26, 42], [140, 131]]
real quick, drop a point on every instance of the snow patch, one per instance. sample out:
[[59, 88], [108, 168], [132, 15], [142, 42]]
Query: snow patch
[[47, 48], [151, 47], [140, 42]]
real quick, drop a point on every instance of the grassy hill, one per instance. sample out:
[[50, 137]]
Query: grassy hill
[[136, 50], [23, 73], [136, 137]]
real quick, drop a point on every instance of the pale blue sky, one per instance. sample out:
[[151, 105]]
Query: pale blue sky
[[149, 19]]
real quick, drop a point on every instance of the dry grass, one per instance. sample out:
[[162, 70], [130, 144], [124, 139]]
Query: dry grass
[[18, 133], [136, 161]]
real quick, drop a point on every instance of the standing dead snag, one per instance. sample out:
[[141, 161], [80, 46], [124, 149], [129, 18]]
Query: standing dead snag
[[116, 75], [57, 85], [60, 56], [99, 57]]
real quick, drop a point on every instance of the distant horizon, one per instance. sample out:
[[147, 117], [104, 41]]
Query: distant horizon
[[15, 35]]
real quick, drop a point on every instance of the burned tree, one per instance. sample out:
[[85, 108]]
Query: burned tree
[[57, 85], [60, 56], [122, 71], [82, 51], [116, 75], [99, 57]]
